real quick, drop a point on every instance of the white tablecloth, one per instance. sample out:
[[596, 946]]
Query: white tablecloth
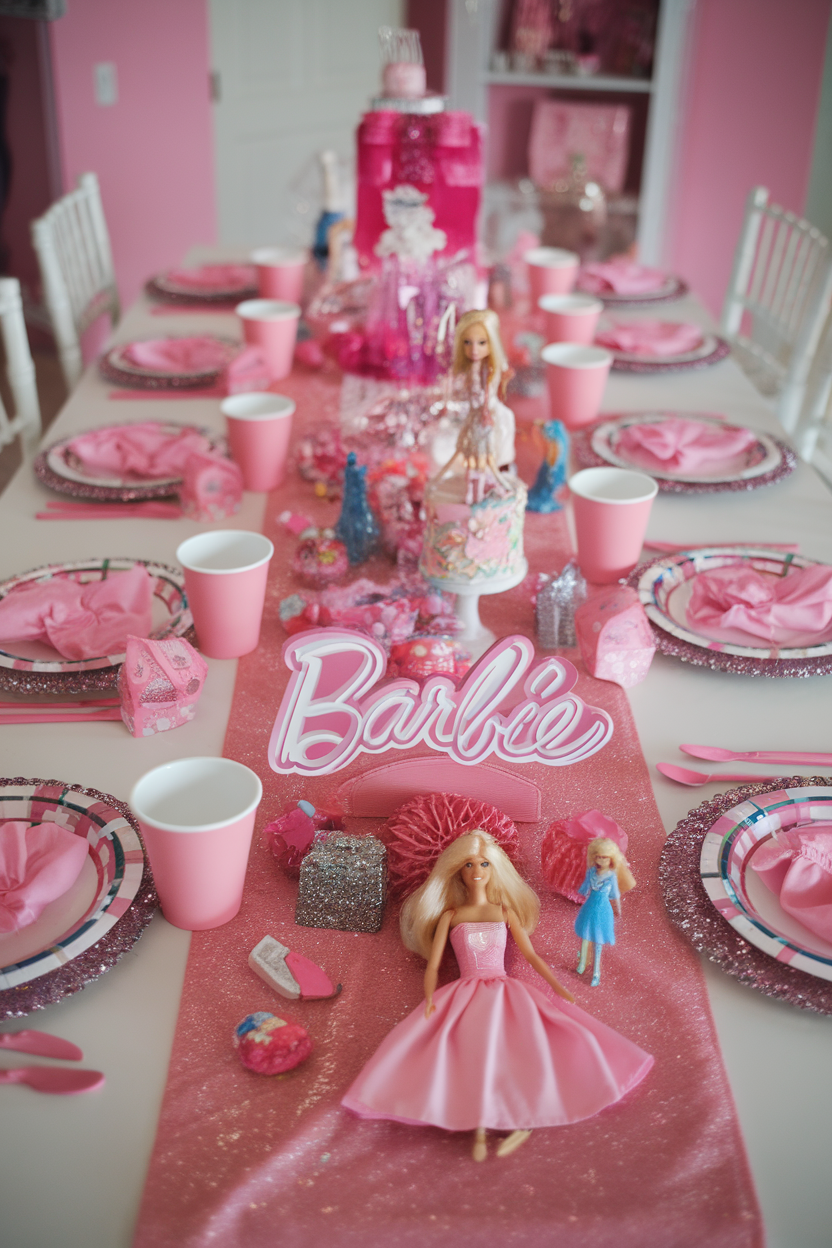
[[73, 1168]]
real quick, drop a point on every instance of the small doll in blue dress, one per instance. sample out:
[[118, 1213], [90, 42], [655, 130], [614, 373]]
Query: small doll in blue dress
[[608, 877]]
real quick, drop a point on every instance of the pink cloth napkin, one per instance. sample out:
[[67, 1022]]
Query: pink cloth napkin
[[797, 867], [621, 276], [682, 445], [219, 277], [145, 452], [780, 610], [179, 355], [39, 862], [651, 337], [80, 621]]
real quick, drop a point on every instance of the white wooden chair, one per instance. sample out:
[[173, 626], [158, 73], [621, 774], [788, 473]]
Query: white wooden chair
[[813, 431], [76, 266], [777, 300], [20, 370]]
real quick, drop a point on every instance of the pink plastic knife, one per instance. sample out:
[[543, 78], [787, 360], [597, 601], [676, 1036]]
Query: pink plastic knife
[[713, 754], [41, 1044]]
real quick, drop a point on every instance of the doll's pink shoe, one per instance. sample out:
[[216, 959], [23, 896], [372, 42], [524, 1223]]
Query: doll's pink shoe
[[290, 974]]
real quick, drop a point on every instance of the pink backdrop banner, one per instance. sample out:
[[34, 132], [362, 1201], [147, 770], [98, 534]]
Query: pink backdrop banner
[[244, 1160]]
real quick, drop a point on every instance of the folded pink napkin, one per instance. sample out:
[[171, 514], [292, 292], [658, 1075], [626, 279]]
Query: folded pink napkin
[[39, 862], [621, 276], [219, 277], [179, 355], [80, 621], [651, 337], [797, 867], [778, 609], [682, 445], [145, 452]]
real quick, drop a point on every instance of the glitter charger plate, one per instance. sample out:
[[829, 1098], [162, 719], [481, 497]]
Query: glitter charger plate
[[672, 288], [163, 287], [725, 819], [656, 582], [594, 447], [34, 674], [712, 350], [114, 367], [83, 934], [55, 469]]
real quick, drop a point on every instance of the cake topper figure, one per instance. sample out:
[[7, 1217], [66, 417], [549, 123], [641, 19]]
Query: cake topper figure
[[608, 876], [488, 1051], [480, 373]]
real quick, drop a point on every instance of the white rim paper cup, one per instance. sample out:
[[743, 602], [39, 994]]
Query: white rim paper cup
[[279, 257], [257, 406], [571, 305], [224, 550], [196, 794], [551, 258], [613, 485], [267, 310], [573, 355]]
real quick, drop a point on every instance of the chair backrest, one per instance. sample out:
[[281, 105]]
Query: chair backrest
[[20, 370], [76, 266], [777, 299], [813, 431]]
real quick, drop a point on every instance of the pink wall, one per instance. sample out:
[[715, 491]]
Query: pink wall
[[153, 149], [752, 101]]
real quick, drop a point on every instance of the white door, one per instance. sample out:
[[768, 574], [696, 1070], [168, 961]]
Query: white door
[[291, 79]]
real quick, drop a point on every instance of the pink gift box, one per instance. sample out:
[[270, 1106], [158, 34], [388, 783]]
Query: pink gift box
[[614, 636], [159, 684]]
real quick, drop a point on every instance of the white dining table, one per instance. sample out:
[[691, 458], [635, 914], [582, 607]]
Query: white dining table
[[72, 1169]]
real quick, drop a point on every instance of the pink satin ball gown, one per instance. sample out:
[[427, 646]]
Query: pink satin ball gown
[[496, 1053]]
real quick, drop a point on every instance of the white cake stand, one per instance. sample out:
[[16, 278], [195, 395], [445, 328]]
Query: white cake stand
[[468, 594]]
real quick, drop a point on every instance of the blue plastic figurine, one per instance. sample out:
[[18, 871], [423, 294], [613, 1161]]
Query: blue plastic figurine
[[607, 877], [552, 472], [357, 527]]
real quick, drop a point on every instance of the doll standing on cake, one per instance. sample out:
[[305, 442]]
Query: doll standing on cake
[[480, 374], [488, 1052]]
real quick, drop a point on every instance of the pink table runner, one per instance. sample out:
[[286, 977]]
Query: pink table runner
[[243, 1160]]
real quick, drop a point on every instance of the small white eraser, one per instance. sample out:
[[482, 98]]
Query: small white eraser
[[268, 960]]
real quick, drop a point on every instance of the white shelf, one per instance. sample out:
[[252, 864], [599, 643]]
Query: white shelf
[[568, 82]]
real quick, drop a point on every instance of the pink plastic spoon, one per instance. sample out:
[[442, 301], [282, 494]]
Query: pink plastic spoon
[[42, 1044], [713, 754], [682, 775], [54, 1079]]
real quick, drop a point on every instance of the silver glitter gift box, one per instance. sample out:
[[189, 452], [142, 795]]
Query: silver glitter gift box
[[343, 884]]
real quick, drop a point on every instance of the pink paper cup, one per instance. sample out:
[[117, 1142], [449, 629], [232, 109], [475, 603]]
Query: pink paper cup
[[576, 377], [197, 817], [271, 325], [611, 508], [280, 272], [570, 318], [259, 427], [552, 271], [225, 581]]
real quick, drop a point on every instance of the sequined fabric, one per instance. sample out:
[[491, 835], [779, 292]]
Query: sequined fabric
[[244, 1161]]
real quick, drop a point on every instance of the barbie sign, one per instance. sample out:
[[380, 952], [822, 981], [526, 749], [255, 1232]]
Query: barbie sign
[[334, 707]]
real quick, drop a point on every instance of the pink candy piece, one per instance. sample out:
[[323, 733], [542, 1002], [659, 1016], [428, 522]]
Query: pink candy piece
[[614, 636], [160, 683]]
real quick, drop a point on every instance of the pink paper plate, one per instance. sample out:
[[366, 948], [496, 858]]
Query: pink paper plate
[[708, 928], [84, 933], [768, 461], [57, 468], [115, 366], [671, 288], [30, 667], [165, 286], [711, 351]]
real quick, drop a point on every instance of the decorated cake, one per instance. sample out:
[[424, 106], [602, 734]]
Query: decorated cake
[[477, 541]]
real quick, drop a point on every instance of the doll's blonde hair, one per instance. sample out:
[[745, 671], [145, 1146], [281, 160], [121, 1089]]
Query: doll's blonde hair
[[603, 847], [444, 890], [497, 363]]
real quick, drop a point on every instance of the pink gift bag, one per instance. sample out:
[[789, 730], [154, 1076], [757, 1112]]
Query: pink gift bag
[[159, 684], [598, 132]]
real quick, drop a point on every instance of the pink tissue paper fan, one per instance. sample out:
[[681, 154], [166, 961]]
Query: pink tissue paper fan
[[423, 827]]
